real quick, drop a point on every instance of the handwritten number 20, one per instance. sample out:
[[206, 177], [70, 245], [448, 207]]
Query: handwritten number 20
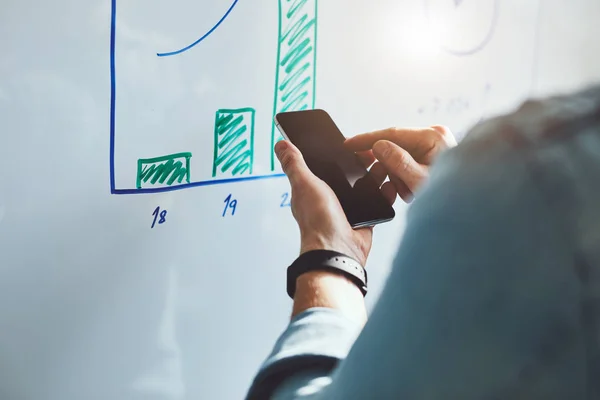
[[157, 213], [285, 200], [229, 203]]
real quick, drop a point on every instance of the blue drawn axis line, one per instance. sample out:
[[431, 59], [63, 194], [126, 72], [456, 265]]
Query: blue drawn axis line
[[196, 184], [172, 53], [113, 84]]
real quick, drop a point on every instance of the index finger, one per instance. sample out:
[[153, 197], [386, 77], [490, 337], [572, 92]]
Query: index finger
[[419, 142]]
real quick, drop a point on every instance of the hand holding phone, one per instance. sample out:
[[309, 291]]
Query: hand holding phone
[[321, 143]]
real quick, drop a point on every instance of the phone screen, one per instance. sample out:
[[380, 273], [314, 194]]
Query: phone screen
[[322, 145]]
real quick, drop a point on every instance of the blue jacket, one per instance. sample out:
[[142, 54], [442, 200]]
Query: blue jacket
[[495, 290]]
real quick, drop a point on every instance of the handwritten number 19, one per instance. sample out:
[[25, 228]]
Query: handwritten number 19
[[229, 203], [157, 213]]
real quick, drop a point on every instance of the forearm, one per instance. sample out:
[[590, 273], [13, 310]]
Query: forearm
[[330, 290]]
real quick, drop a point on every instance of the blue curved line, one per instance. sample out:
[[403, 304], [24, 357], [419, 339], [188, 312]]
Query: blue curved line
[[172, 53]]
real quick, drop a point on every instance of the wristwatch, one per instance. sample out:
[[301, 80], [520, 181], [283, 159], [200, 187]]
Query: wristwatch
[[326, 260]]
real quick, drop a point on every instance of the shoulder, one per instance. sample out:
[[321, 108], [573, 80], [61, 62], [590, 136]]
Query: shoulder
[[541, 137], [538, 122]]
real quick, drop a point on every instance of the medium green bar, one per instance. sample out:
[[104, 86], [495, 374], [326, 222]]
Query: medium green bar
[[233, 142]]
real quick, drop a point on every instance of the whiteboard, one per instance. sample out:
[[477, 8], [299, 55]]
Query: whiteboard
[[145, 227]]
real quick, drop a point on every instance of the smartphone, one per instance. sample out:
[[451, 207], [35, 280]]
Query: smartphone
[[321, 143]]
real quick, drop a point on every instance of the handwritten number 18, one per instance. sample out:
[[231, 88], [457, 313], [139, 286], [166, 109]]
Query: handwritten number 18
[[229, 203], [157, 213]]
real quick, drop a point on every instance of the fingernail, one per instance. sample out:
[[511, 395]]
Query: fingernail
[[280, 147], [380, 147], [440, 128]]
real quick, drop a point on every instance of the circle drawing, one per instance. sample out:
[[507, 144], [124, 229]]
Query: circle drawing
[[468, 25]]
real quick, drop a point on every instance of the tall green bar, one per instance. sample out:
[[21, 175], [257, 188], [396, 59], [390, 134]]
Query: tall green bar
[[295, 77]]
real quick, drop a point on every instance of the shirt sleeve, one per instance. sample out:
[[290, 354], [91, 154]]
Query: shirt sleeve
[[481, 302], [309, 349]]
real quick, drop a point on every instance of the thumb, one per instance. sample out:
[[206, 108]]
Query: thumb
[[400, 164], [292, 162]]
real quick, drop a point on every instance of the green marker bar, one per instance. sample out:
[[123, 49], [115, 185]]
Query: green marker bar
[[168, 170], [295, 76], [234, 142]]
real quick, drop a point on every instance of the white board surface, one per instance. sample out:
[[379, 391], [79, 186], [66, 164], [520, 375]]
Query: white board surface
[[97, 96]]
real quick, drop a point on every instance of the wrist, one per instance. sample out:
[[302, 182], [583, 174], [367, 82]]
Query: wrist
[[319, 243], [331, 290]]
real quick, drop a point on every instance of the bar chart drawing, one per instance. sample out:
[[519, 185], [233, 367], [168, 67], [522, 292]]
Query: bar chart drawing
[[295, 76], [234, 142], [233, 147]]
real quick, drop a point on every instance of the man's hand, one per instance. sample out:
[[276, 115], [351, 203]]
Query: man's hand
[[323, 226], [321, 219], [404, 155]]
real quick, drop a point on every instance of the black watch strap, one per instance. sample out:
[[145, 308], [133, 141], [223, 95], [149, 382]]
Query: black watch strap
[[326, 260]]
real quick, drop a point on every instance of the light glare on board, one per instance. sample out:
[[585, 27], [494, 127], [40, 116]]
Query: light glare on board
[[417, 39]]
